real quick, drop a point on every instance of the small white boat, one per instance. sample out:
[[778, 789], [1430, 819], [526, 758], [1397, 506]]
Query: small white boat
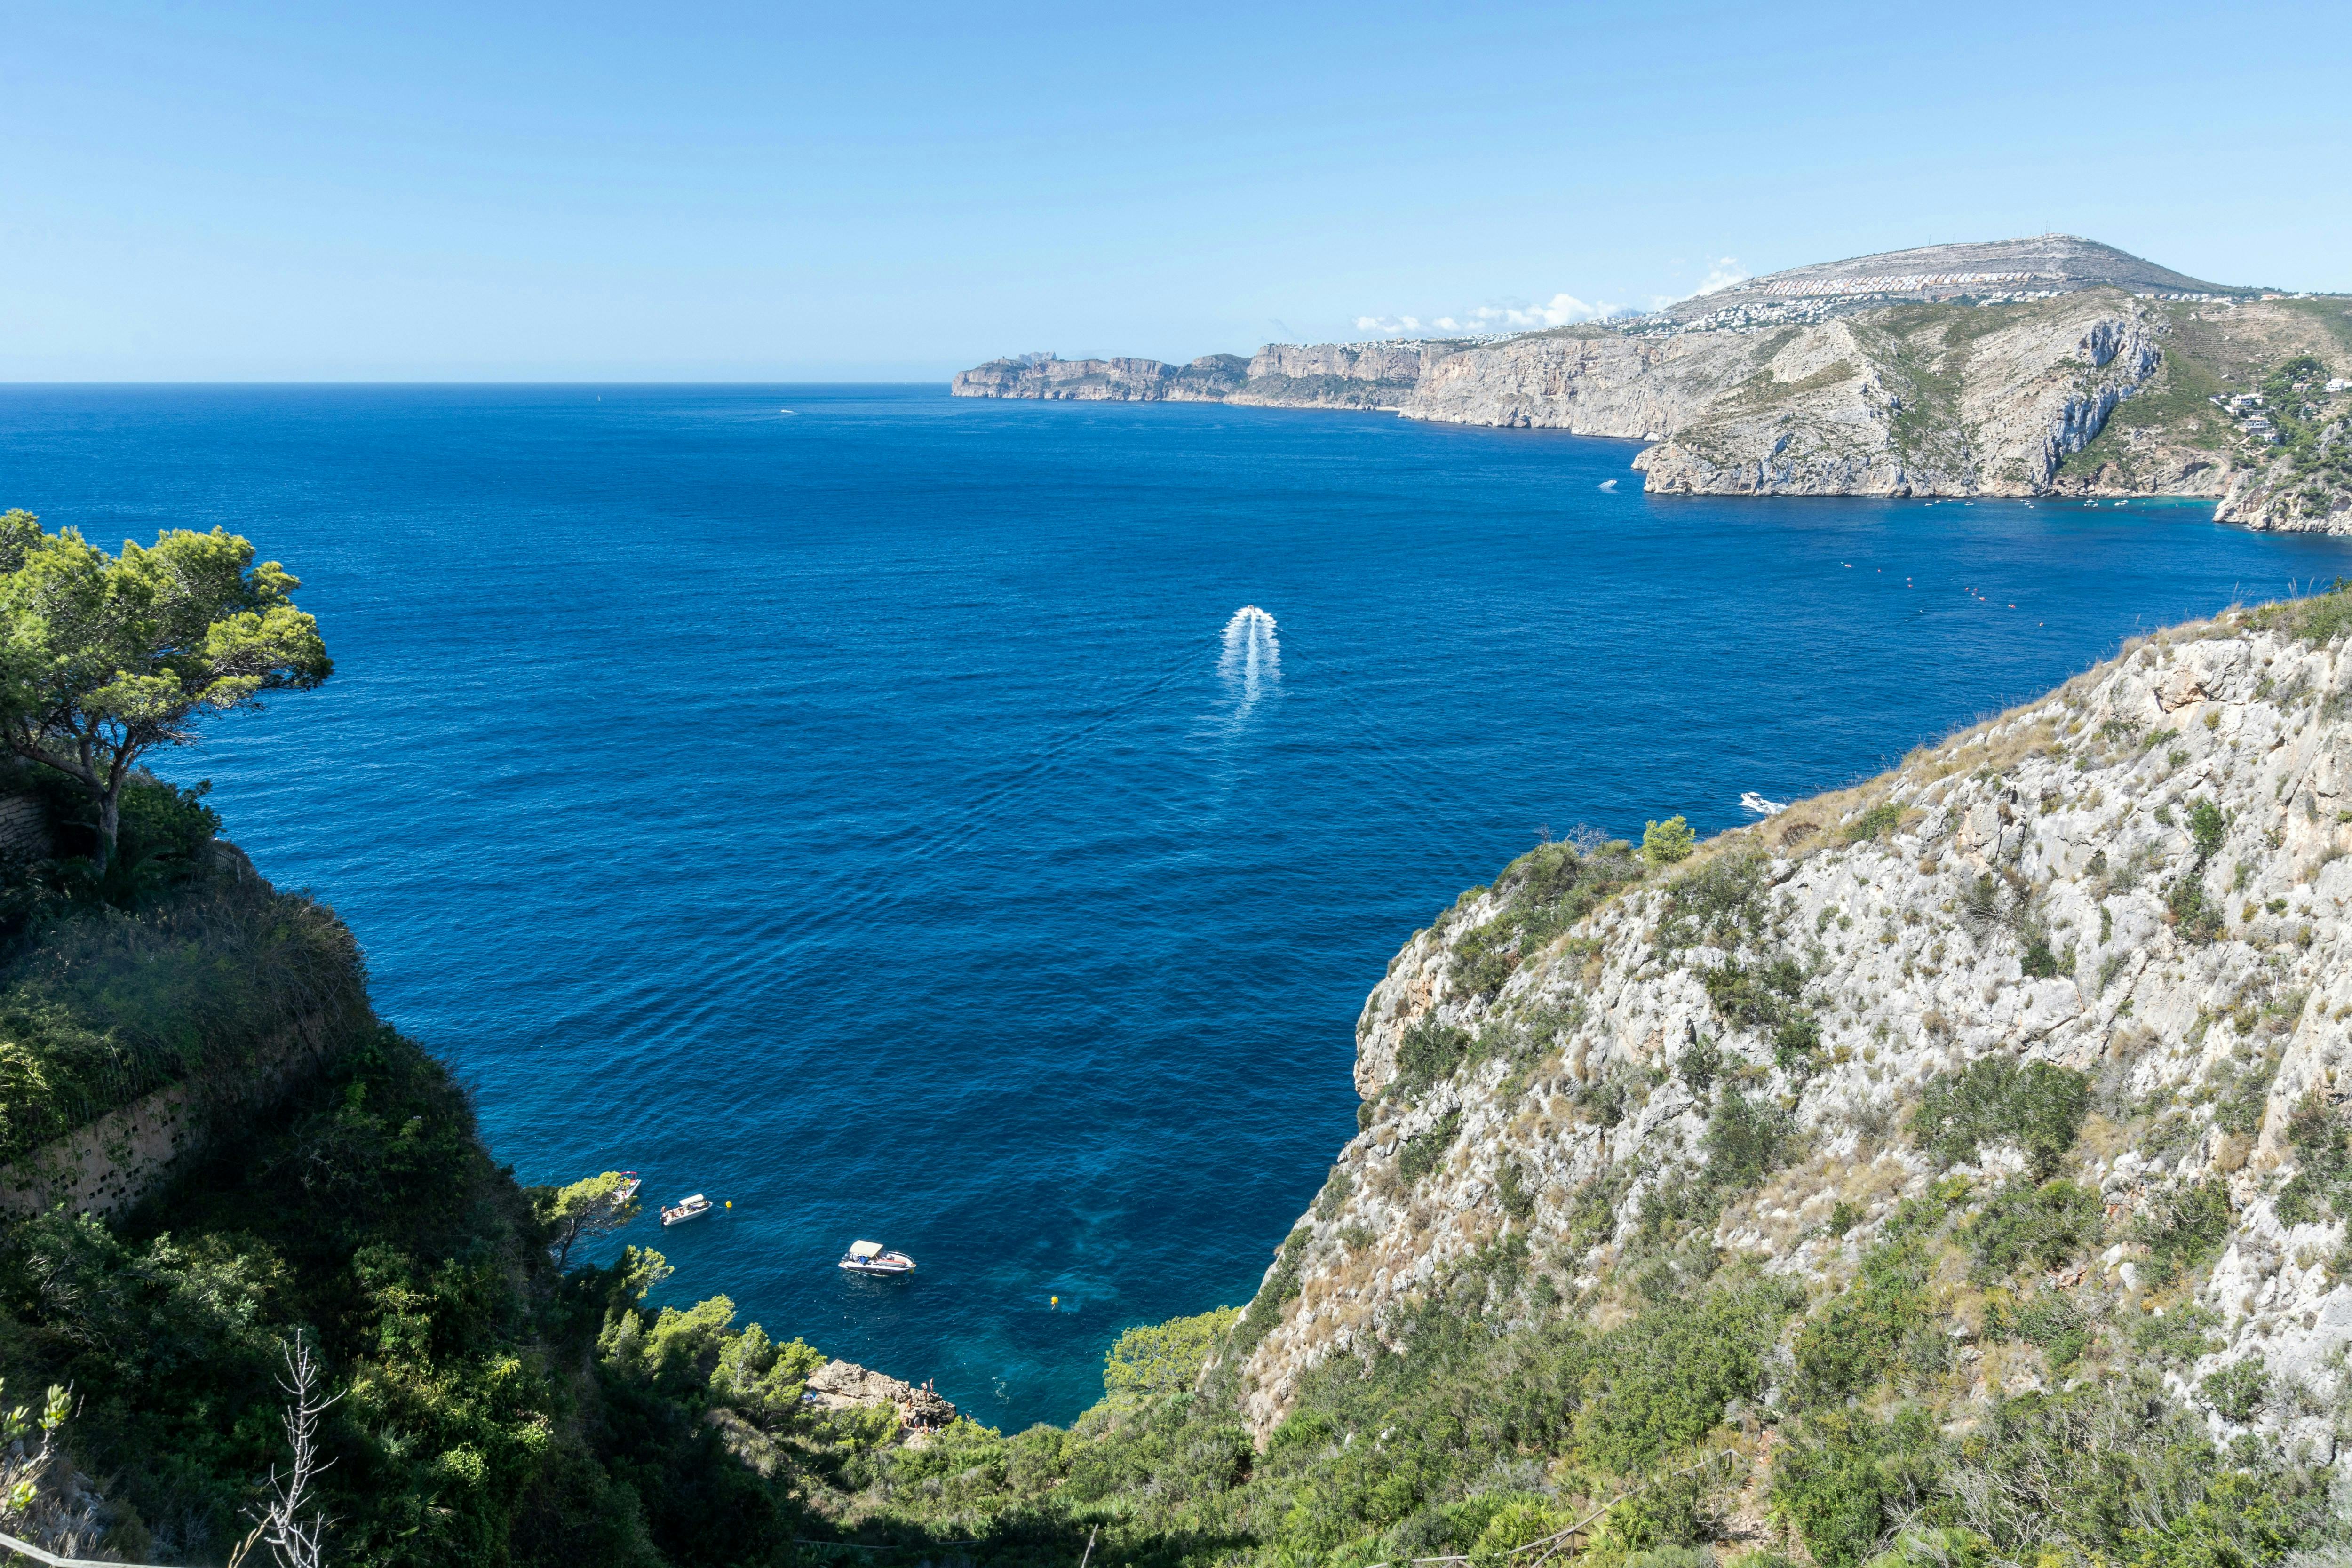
[[868, 1257], [686, 1208], [631, 1185]]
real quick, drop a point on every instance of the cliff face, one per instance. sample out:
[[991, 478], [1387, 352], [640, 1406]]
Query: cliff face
[[1291, 375], [2051, 367], [1208, 379], [2133, 892], [1918, 400]]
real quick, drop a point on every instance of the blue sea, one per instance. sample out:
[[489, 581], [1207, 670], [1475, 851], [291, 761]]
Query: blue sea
[[879, 812]]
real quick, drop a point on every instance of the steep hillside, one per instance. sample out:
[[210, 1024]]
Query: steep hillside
[[2022, 1067]]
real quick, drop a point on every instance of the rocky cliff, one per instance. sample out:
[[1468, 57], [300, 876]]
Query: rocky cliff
[[1209, 379], [1918, 400], [2057, 1011], [1294, 376], [2051, 366]]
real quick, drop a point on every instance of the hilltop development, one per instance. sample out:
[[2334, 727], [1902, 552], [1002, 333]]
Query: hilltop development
[[2046, 367]]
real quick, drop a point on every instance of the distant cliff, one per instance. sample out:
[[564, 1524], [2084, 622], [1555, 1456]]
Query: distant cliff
[[2051, 367], [1209, 379], [1294, 376]]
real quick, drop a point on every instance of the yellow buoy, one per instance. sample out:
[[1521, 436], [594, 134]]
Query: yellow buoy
[[730, 1203], [1055, 1301]]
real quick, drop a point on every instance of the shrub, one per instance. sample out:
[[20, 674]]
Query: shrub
[[2186, 1228], [2040, 961], [2246, 1098], [2181, 1334], [2206, 829], [1429, 1052], [1662, 1382], [2237, 1391], [1743, 1140], [2042, 1227], [1424, 1152], [1796, 1039], [1877, 823], [1666, 843], [2317, 1138], [1720, 902], [2194, 914], [1828, 1484], [1699, 1065], [1845, 1350], [1995, 1099], [1517, 1199], [1543, 893], [2058, 1326], [1264, 1308], [2321, 619], [1752, 996], [1768, 994], [1156, 1359]]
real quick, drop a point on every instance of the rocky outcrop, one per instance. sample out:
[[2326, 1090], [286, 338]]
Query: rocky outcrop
[[2143, 880], [846, 1386]]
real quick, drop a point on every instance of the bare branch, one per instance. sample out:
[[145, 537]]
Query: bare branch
[[295, 1539]]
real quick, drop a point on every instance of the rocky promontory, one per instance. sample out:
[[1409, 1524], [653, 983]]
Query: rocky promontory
[[2092, 955], [2051, 367]]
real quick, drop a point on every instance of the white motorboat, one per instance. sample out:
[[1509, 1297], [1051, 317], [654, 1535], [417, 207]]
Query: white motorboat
[[868, 1257], [631, 1183], [686, 1208]]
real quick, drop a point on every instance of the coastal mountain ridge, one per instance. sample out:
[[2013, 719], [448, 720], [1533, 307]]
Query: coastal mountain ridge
[[2053, 366]]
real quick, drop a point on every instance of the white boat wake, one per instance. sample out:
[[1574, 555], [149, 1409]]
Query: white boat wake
[[1756, 804], [1252, 661]]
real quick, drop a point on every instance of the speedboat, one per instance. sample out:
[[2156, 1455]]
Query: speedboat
[[685, 1209], [868, 1257], [631, 1183]]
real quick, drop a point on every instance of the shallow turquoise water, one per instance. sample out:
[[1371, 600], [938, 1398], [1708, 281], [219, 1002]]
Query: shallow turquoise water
[[860, 813]]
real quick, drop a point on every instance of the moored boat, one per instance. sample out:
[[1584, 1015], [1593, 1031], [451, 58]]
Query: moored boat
[[685, 1208], [870, 1257], [631, 1183]]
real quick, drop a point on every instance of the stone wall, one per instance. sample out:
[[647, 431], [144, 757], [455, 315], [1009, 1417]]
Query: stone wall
[[24, 829], [112, 1164]]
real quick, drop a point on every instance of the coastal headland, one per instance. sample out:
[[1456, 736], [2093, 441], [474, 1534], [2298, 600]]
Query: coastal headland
[[2052, 367]]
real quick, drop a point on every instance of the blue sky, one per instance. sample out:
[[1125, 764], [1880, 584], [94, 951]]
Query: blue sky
[[225, 191]]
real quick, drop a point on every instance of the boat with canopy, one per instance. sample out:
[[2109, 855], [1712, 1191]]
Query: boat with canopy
[[870, 1257]]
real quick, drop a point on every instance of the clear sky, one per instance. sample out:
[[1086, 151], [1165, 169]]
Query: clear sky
[[526, 191]]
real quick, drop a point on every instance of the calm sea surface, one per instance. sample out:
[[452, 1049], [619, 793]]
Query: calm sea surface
[[866, 807]]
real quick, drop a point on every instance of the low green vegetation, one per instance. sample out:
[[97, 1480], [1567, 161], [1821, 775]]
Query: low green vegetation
[[2036, 1106], [1543, 893], [1667, 843]]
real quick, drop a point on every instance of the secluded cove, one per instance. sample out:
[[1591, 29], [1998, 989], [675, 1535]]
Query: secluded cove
[[866, 817]]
